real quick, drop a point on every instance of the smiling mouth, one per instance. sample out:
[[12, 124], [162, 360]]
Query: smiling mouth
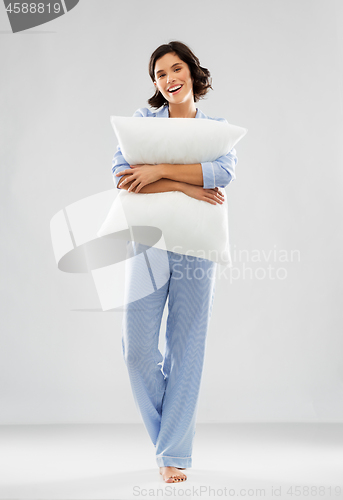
[[174, 91]]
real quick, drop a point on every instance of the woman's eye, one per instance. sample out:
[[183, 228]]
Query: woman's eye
[[176, 69]]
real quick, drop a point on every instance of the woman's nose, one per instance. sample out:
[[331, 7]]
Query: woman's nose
[[170, 78]]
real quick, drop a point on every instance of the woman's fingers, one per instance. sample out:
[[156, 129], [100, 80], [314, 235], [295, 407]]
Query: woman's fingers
[[139, 187], [136, 185], [215, 191], [214, 196], [219, 196], [128, 178], [133, 186], [210, 201], [219, 193], [124, 172]]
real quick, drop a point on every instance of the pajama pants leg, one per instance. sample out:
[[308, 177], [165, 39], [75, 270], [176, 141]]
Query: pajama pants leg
[[167, 396]]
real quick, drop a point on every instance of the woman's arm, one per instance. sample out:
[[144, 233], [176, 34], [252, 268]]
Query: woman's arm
[[209, 175], [160, 186], [218, 173], [191, 173], [119, 163], [212, 196]]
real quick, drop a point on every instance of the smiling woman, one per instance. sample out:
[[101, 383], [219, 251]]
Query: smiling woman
[[174, 81], [175, 63], [166, 388], [171, 66]]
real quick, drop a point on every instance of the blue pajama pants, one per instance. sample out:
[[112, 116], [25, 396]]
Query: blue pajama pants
[[166, 389]]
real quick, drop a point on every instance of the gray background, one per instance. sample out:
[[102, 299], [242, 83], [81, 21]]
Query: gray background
[[274, 350]]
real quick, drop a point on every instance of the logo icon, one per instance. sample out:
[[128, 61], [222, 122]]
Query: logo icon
[[26, 15]]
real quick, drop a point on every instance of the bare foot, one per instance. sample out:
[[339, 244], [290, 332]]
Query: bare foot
[[172, 474]]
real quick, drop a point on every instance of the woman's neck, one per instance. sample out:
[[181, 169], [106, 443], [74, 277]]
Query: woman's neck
[[182, 110]]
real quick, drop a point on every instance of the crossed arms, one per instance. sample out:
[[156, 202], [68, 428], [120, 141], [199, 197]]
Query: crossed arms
[[198, 180]]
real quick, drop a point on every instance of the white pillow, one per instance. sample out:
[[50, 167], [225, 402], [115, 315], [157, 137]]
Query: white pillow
[[174, 140], [189, 226]]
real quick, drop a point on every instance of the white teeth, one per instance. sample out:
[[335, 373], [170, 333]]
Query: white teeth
[[174, 88]]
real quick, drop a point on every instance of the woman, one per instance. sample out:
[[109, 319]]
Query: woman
[[167, 395]]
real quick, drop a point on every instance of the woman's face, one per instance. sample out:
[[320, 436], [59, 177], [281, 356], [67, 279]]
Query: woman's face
[[171, 72]]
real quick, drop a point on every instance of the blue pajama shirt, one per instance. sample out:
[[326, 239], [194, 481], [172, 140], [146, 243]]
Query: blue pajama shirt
[[166, 388]]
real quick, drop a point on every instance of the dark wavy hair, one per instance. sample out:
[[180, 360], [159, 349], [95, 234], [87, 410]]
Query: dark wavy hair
[[201, 76]]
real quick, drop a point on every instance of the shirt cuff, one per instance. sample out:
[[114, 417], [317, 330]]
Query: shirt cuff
[[208, 175]]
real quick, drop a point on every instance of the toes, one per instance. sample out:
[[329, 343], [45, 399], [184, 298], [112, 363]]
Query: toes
[[172, 479], [178, 478]]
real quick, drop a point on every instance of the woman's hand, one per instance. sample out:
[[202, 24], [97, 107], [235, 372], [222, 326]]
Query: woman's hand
[[212, 196], [140, 176]]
